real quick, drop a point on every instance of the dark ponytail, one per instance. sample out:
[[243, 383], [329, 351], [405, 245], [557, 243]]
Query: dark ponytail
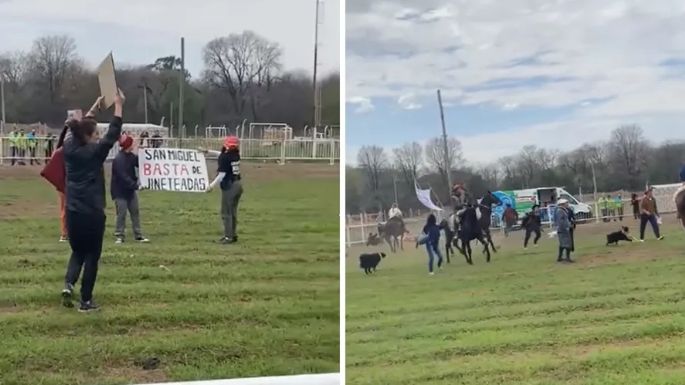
[[82, 130]]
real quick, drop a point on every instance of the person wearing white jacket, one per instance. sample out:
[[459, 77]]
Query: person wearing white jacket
[[394, 211]]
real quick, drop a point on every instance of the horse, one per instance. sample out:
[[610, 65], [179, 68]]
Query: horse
[[393, 232], [469, 229], [679, 198], [485, 220]]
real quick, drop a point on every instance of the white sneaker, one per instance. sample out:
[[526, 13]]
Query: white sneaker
[[142, 240], [119, 241], [431, 273], [63, 239]]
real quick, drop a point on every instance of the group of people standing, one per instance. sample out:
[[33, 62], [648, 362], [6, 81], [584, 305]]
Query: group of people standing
[[25, 147], [76, 169]]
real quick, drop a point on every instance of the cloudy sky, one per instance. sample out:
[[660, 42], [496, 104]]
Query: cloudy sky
[[138, 31], [553, 73]]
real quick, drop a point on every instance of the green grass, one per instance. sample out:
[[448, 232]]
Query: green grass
[[615, 317], [267, 306]]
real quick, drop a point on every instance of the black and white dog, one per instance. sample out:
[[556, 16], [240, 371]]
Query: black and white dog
[[369, 261], [621, 235]]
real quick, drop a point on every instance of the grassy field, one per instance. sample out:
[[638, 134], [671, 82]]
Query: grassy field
[[267, 306], [617, 316]]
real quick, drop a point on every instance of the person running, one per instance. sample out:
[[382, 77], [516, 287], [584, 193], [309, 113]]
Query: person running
[[228, 178], [394, 212], [124, 186], [510, 218], [432, 232], [563, 231], [532, 222], [84, 156], [649, 213]]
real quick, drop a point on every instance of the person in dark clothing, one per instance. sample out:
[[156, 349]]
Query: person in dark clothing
[[156, 140], [84, 156], [228, 178], [510, 217], [635, 202], [49, 146], [123, 188], [532, 222], [432, 231], [682, 174], [572, 219]]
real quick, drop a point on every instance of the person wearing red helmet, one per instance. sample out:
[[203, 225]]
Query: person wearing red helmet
[[123, 187], [228, 178]]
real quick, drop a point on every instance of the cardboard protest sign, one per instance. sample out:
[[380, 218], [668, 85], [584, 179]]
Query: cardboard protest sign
[[172, 169], [107, 80]]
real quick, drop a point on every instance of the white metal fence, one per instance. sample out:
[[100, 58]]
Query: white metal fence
[[309, 149], [306, 379]]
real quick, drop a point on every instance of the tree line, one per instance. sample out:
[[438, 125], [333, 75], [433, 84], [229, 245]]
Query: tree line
[[242, 78], [626, 161]]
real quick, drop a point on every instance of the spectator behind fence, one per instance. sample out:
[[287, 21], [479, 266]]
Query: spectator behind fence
[[14, 146], [124, 186], [49, 146], [21, 145], [156, 140], [32, 142], [635, 202], [618, 201], [144, 142], [649, 213], [84, 156]]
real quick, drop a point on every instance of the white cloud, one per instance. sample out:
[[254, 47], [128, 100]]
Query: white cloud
[[140, 31], [408, 102], [362, 104], [600, 52]]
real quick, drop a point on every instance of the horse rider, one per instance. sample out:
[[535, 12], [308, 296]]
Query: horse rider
[[394, 212], [462, 200]]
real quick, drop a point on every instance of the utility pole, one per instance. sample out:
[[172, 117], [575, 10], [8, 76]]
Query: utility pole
[[315, 89], [394, 184], [2, 105], [181, 86], [444, 143], [171, 118]]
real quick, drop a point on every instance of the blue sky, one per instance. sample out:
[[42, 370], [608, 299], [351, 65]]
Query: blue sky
[[557, 74], [138, 32]]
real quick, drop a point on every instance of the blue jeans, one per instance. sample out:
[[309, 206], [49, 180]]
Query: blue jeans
[[433, 251]]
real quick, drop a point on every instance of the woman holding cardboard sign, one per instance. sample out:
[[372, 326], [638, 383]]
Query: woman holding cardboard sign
[[84, 156], [228, 178]]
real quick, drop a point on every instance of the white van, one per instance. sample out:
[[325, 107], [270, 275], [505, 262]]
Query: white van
[[525, 199]]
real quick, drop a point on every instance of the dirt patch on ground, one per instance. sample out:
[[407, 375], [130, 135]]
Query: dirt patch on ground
[[628, 253]]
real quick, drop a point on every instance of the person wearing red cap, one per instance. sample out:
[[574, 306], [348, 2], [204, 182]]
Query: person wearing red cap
[[123, 188], [228, 178]]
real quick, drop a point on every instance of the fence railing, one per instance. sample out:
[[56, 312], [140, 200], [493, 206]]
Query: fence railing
[[38, 150]]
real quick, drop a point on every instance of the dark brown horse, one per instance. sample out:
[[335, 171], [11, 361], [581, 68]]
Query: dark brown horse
[[485, 208], [470, 229], [393, 232], [450, 232]]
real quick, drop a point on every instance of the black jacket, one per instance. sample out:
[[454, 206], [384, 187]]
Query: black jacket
[[532, 221], [85, 176], [124, 180]]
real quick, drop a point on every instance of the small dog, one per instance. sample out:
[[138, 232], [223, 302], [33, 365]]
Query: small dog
[[369, 261], [621, 235]]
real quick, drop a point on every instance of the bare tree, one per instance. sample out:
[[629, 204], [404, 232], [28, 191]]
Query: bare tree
[[244, 65], [52, 58], [13, 68], [435, 155], [373, 160], [629, 148], [408, 159]]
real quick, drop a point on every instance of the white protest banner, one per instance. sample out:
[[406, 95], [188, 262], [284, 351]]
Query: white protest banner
[[172, 169]]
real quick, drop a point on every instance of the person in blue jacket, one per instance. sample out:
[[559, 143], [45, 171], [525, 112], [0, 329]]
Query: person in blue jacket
[[432, 232]]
